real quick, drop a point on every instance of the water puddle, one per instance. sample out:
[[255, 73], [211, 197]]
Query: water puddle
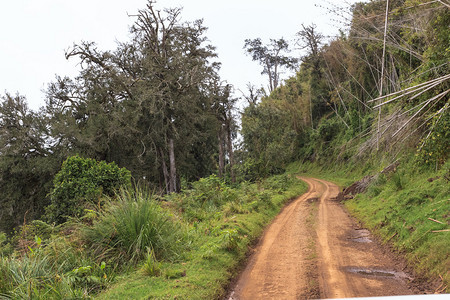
[[378, 273], [363, 239], [360, 236], [312, 200]]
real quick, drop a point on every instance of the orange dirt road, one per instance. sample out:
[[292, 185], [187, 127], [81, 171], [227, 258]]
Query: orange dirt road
[[314, 249]]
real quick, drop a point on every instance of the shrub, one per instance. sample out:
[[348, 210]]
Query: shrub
[[5, 247], [278, 182], [131, 225], [80, 184], [433, 149]]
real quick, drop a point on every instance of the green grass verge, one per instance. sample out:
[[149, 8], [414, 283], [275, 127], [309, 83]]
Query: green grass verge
[[219, 246]]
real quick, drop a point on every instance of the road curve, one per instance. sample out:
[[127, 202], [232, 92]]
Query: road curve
[[314, 249]]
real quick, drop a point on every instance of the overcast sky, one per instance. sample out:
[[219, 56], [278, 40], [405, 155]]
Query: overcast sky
[[35, 33]]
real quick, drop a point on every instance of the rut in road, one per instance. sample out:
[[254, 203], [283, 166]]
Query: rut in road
[[314, 249]]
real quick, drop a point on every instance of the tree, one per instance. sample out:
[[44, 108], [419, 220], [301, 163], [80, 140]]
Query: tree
[[27, 164], [271, 57], [223, 106], [146, 104], [176, 64], [311, 40], [254, 94]]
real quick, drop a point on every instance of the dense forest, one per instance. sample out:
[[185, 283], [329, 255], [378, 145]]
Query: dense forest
[[154, 105], [336, 107], [154, 117]]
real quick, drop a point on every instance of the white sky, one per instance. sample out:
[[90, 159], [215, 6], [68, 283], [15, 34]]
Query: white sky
[[35, 33]]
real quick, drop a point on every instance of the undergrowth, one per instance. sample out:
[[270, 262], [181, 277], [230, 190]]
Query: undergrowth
[[222, 222], [185, 245]]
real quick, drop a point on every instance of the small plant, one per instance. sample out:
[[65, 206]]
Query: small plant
[[398, 181], [151, 265], [174, 273], [229, 239]]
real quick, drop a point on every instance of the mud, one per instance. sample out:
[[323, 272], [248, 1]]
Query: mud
[[378, 273]]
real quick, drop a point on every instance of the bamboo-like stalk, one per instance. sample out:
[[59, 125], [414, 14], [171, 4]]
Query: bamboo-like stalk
[[415, 88], [428, 102], [382, 69], [427, 88]]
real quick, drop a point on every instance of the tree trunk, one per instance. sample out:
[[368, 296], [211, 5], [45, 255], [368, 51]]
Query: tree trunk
[[165, 171], [173, 169], [220, 138], [230, 152]]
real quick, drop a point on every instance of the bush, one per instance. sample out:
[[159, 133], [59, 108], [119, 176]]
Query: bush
[[433, 149], [80, 184], [5, 247], [128, 227]]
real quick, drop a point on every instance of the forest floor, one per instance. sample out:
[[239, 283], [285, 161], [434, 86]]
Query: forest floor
[[315, 249]]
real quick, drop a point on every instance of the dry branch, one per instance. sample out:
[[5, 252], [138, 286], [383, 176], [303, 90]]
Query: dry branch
[[436, 221], [417, 87], [438, 97]]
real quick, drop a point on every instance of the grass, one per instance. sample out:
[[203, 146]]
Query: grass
[[399, 209], [131, 225]]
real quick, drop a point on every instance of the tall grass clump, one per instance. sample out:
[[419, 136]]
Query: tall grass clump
[[36, 276], [132, 224]]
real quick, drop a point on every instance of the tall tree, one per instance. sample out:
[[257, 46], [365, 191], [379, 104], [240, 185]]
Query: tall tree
[[26, 162], [145, 104], [311, 40], [223, 107], [272, 57]]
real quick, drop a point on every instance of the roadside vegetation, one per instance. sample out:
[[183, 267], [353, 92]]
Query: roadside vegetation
[[187, 245], [409, 209], [129, 182]]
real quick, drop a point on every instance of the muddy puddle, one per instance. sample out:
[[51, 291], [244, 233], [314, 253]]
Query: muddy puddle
[[313, 200], [360, 236], [377, 273]]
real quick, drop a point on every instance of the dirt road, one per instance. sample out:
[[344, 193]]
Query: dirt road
[[314, 249]]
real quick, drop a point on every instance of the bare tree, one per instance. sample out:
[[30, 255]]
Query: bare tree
[[253, 94]]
